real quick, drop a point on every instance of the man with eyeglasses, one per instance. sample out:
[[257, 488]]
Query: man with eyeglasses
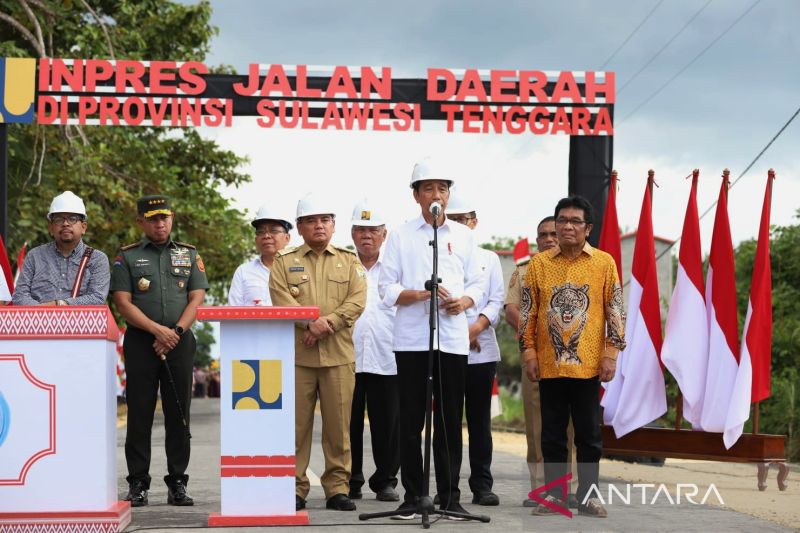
[[65, 271], [572, 326], [546, 239], [319, 274], [250, 284]]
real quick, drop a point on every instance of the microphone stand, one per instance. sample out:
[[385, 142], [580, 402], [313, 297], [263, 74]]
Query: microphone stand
[[425, 505]]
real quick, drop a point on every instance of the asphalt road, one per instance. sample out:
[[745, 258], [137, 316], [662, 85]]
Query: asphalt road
[[509, 471]]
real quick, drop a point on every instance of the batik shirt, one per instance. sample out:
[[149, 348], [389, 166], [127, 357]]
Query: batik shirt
[[571, 313]]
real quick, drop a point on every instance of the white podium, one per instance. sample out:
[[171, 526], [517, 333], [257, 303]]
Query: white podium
[[257, 462], [58, 433]]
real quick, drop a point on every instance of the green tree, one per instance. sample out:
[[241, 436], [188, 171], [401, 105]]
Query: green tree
[[110, 167]]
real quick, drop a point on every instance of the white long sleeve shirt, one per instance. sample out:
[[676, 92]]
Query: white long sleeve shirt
[[250, 284], [490, 304], [372, 333], [408, 263]]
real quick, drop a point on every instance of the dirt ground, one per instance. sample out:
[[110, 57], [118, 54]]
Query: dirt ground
[[735, 482]]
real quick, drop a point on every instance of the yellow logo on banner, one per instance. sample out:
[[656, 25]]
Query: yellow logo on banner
[[17, 91], [256, 384]]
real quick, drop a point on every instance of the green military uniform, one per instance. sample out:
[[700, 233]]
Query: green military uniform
[[531, 402], [336, 282], [159, 278]]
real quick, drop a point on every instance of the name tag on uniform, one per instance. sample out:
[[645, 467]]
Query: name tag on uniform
[[297, 269]]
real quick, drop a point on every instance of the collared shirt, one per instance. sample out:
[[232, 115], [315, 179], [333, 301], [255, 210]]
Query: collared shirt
[[408, 264], [372, 334], [159, 277], [250, 284], [47, 275], [490, 304], [335, 282], [571, 312]]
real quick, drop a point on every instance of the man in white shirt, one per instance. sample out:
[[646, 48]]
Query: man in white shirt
[[484, 353], [407, 265], [376, 370], [250, 284]]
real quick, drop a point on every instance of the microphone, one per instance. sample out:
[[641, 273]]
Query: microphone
[[435, 209]]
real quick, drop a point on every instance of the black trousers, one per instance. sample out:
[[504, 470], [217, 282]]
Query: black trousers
[[146, 374], [377, 394], [449, 375], [478, 406], [580, 398]]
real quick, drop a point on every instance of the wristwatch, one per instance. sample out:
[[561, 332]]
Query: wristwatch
[[179, 330]]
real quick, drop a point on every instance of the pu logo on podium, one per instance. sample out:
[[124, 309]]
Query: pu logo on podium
[[257, 384], [17, 91]]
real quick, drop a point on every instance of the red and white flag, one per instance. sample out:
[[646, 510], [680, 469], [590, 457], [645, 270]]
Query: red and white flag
[[609, 237], [752, 378], [685, 350], [496, 406], [723, 321], [638, 386], [522, 251], [20, 260], [6, 281]]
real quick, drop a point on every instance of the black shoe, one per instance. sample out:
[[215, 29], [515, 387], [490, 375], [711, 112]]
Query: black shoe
[[387, 494], [176, 494], [572, 501], [527, 502], [355, 494], [454, 507], [488, 498], [340, 502], [299, 503], [407, 511], [137, 493]]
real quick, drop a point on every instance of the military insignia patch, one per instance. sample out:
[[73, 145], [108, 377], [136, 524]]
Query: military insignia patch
[[200, 266]]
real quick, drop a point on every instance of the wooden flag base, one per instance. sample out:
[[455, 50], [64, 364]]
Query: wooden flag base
[[760, 449]]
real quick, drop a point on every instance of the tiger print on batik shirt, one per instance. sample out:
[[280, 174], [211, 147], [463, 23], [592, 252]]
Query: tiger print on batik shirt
[[571, 312]]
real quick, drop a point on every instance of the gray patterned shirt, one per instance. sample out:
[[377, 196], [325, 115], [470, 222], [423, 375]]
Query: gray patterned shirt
[[47, 275]]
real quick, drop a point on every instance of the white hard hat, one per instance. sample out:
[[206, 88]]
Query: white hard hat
[[364, 215], [67, 202], [457, 205], [266, 213], [427, 170], [314, 204]]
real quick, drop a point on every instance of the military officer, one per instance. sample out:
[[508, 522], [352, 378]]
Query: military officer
[[319, 274], [158, 284]]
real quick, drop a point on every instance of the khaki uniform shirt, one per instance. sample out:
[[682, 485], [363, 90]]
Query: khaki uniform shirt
[[514, 292], [159, 278], [335, 282], [571, 313]]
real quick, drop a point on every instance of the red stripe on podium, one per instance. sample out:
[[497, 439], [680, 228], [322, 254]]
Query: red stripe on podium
[[257, 471]]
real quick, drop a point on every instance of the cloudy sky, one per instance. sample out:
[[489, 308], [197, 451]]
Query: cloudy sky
[[675, 111]]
